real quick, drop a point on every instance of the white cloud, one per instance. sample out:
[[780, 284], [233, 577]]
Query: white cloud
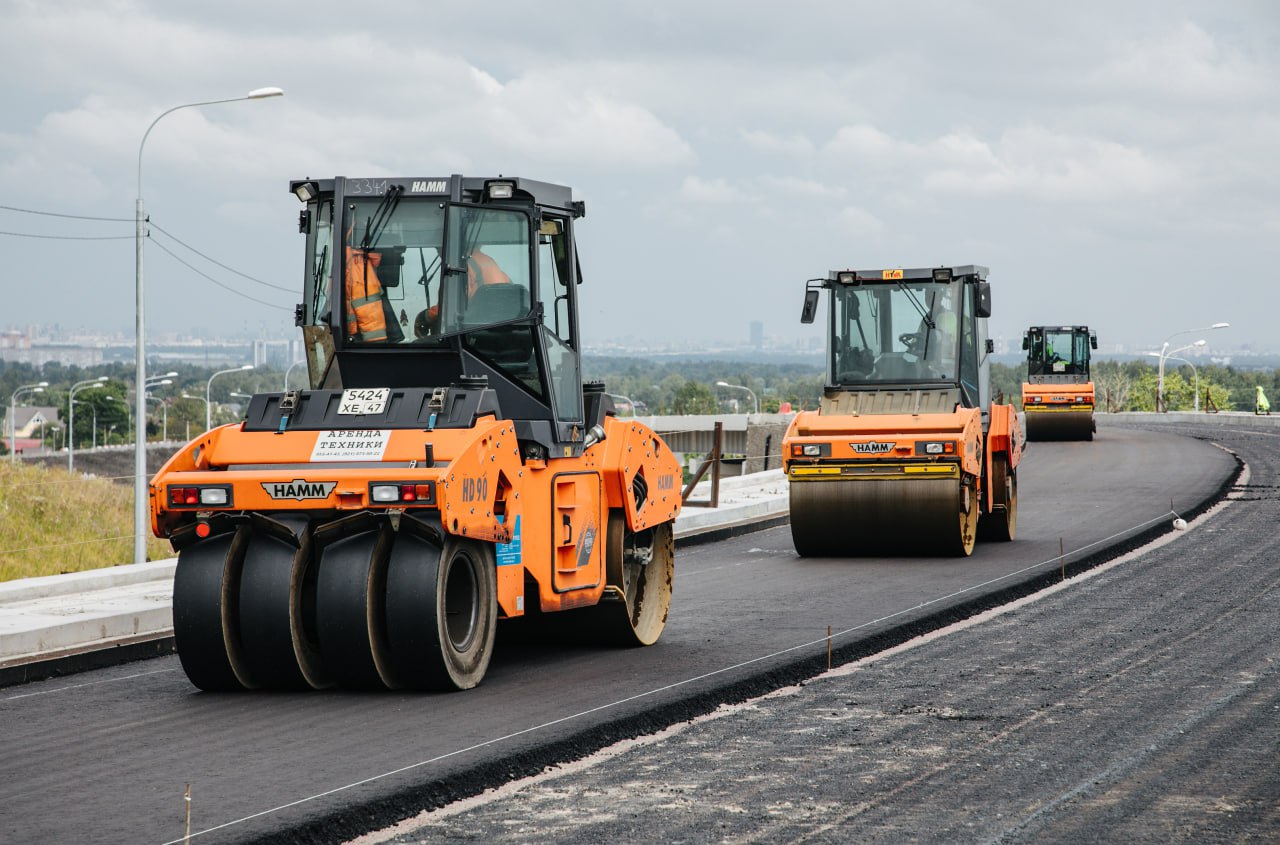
[[716, 190], [860, 223], [794, 144], [1184, 64]]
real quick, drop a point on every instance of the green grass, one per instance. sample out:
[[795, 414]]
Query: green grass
[[51, 522]]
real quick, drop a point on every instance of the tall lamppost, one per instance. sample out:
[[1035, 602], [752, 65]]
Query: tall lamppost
[[1164, 349], [1194, 372], [128, 411], [160, 381], [208, 388], [286, 374], [93, 440], [199, 399], [1164, 354], [755, 404], [38, 387], [71, 417], [140, 377]]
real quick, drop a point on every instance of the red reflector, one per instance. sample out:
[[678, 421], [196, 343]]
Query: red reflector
[[203, 529], [407, 493], [948, 447], [184, 496]]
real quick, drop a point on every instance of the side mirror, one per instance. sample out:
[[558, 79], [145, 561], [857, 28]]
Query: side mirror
[[982, 301], [991, 346], [810, 309], [1026, 341], [1093, 341]]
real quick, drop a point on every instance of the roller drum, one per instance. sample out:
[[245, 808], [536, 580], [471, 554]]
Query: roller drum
[[854, 517], [1059, 425]]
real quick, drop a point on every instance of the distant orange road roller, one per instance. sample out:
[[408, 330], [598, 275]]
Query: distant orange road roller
[[445, 469], [1058, 397], [907, 452]]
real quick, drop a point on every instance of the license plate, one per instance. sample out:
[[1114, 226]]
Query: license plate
[[362, 401]]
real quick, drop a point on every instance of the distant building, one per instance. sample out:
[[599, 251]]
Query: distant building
[[18, 347], [25, 431], [757, 335]]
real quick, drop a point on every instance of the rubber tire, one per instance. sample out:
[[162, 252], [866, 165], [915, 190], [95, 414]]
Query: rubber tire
[[206, 634], [442, 611], [280, 649], [1001, 524], [350, 612]]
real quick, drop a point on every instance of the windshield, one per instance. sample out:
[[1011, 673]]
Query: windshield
[[894, 332], [1058, 352], [397, 285]]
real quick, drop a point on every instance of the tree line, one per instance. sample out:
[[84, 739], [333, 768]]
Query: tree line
[[103, 413]]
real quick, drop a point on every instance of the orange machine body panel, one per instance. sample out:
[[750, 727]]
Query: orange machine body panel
[[911, 445], [1053, 398], [547, 518]]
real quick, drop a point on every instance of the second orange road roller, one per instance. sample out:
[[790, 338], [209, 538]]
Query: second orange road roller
[[906, 452], [1058, 396], [446, 469]]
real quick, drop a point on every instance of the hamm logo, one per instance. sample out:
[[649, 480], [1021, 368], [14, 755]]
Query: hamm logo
[[299, 489], [872, 447]]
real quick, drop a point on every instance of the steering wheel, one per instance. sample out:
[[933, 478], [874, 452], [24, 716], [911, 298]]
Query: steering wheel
[[910, 341]]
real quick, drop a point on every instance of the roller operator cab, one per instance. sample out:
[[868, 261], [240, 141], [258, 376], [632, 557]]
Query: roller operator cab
[[446, 469], [906, 452], [1058, 396]]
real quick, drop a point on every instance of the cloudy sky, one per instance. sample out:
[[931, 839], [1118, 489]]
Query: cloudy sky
[[1112, 163]]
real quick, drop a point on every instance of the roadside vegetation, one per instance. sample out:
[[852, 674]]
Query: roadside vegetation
[[52, 522], [689, 387]]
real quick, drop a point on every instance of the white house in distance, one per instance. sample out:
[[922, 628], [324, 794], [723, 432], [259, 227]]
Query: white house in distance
[[22, 433]]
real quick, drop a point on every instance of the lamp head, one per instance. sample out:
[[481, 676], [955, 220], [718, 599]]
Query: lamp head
[[263, 93]]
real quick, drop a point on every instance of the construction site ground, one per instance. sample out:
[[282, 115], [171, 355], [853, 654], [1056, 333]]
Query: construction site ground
[[1139, 703]]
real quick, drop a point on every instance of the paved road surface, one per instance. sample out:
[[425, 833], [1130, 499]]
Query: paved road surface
[[106, 755], [1139, 704]]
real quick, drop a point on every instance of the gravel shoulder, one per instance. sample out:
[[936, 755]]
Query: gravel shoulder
[[1140, 703]]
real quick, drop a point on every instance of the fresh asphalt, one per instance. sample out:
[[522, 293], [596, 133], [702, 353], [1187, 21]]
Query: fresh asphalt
[[749, 617], [1139, 703]]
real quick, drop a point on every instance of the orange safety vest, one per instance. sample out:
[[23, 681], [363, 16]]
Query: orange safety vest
[[483, 270], [365, 317]]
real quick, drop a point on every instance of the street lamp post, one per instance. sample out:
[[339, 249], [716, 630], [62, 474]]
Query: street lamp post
[[38, 387], [286, 374], [140, 376], [1164, 352], [71, 417], [755, 404], [1194, 372], [161, 381], [208, 388], [93, 440], [128, 414], [199, 399]]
